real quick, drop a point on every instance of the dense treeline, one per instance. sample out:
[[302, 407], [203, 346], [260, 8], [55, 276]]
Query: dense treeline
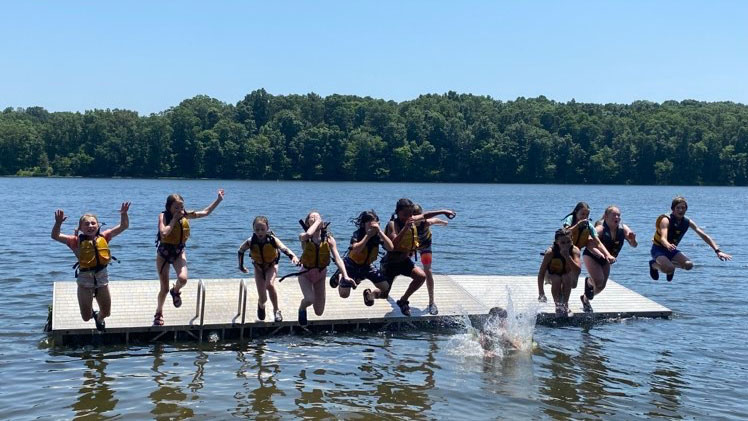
[[449, 137]]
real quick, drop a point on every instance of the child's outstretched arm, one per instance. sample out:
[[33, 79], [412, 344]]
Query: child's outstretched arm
[[437, 221], [207, 211], [287, 251], [630, 236], [707, 239], [547, 256], [124, 220], [59, 219], [449, 213]]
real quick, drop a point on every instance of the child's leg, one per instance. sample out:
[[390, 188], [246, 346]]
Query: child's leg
[[105, 302], [85, 302], [681, 260], [419, 277], [426, 262], [319, 296], [162, 267], [262, 290], [180, 267], [270, 276], [307, 289], [664, 264], [606, 275], [555, 288], [597, 275]]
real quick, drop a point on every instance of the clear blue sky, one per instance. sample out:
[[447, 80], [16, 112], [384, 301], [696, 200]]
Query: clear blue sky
[[148, 56]]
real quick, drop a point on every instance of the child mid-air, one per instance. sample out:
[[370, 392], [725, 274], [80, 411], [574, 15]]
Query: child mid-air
[[91, 246], [319, 248], [173, 232], [263, 248]]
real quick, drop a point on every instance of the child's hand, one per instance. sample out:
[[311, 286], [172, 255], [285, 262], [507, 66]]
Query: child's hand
[[295, 261], [220, 194], [243, 269], [178, 216], [372, 231], [631, 236], [124, 208], [449, 213], [542, 298], [60, 216]]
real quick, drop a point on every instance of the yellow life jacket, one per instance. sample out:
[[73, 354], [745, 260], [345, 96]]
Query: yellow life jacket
[[367, 255], [424, 235], [558, 263], [263, 252], [93, 254], [179, 234], [580, 237], [409, 241], [675, 231], [316, 256]]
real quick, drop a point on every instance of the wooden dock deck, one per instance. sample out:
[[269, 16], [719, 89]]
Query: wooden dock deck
[[222, 308]]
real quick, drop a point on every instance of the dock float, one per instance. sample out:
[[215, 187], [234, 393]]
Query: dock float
[[228, 308]]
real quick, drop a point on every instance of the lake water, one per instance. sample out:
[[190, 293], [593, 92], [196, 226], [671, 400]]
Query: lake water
[[693, 366]]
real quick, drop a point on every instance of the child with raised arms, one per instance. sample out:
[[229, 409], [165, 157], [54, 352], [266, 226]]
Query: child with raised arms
[[91, 247], [264, 249], [172, 235]]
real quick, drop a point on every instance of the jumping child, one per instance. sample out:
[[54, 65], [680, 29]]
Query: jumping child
[[669, 230], [318, 246], [584, 236], [91, 246], [561, 266], [173, 232], [612, 234], [362, 253], [264, 249]]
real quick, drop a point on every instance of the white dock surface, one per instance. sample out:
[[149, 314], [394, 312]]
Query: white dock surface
[[134, 303]]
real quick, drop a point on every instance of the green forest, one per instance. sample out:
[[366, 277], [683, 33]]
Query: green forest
[[438, 138]]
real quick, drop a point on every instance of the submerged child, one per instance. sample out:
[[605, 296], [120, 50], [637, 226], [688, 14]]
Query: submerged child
[[91, 246], [173, 232], [318, 247], [264, 249]]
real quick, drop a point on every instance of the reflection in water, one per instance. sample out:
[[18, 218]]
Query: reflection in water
[[665, 387], [594, 375], [167, 395], [256, 401], [94, 396]]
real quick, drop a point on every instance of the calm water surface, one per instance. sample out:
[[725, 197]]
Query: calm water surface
[[693, 366]]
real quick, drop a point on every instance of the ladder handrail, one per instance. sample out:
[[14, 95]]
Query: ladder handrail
[[200, 302], [242, 306]]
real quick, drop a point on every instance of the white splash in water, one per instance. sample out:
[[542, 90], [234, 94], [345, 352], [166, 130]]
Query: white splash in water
[[497, 334]]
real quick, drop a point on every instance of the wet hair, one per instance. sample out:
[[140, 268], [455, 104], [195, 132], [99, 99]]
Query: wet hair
[[497, 312], [261, 219], [677, 200], [402, 204], [170, 199], [577, 208]]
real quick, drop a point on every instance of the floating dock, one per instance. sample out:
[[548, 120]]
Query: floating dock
[[228, 307]]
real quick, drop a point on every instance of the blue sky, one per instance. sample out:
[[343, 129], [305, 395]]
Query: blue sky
[[148, 56]]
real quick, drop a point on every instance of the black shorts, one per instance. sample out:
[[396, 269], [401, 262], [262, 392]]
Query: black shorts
[[390, 269], [170, 252], [600, 260], [360, 272]]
